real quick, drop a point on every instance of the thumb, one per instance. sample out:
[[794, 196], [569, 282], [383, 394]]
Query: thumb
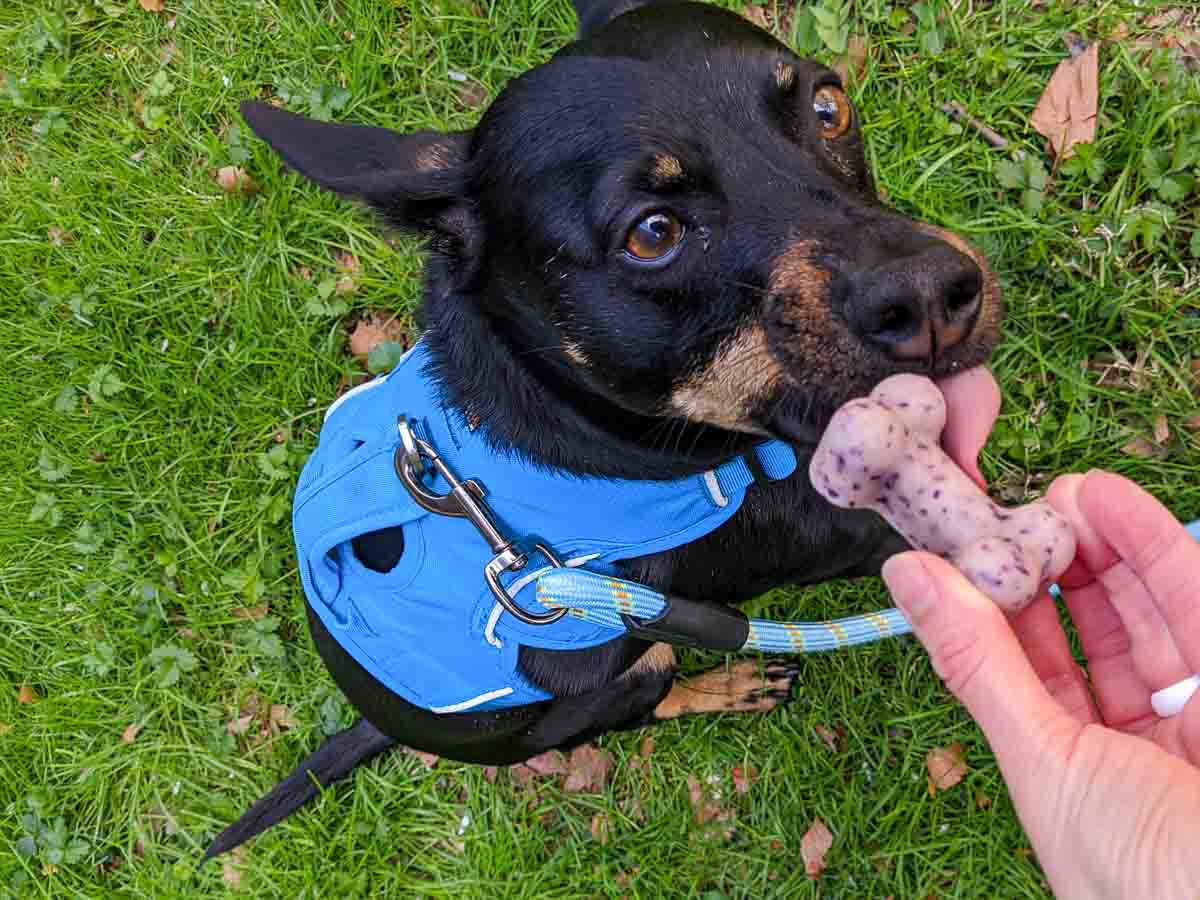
[[978, 656]]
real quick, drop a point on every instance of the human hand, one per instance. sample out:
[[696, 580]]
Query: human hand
[[1108, 791]]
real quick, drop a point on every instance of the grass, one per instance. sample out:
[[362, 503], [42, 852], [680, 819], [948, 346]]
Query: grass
[[166, 362]]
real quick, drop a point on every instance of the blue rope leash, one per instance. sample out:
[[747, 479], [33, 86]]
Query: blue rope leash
[[602, 600]]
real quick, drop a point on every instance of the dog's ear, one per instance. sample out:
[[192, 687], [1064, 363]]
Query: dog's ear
[[415, 181], [592, 14]]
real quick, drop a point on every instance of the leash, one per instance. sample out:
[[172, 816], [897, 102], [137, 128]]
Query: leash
[[628, 606], [622, 605]]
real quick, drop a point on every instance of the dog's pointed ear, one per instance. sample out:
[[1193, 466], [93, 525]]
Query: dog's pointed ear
[[415, 181], [594, 14]]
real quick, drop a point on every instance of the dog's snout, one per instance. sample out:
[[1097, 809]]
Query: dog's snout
[[918, 306]]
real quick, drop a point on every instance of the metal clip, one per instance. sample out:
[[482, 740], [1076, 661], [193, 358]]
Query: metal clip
[[465, 499]]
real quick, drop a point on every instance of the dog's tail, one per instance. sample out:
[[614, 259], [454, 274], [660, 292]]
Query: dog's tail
[[333, 760]]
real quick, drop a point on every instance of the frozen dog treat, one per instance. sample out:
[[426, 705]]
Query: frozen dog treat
[[883, 452]]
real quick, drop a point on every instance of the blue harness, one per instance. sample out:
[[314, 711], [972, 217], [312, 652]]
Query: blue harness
[[431, 629]]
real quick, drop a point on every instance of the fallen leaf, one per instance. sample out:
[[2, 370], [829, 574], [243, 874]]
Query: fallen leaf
[[1144, 449], [490, 773], [281, 718], [852, 65], [345, 285], [471, 94], [26, 694], [743, 780], [982, 800], [167, 52], [1162, 430], [231, 869], [428, 760], [1192, 424], [946, 767], [346, 261], [600, 828], [1066, 112], [239, 725], [129, 735], [234, 180], [646, 748], [376, 328], [151, 5], [827, 736], [552, 762], [587, 769], [757, 15], [253, 613], [58, 236], [813, 847]]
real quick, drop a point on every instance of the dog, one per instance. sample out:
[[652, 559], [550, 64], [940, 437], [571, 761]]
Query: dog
[[654, 252]]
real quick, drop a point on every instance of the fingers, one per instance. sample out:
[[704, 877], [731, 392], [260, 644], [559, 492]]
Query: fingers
[[1136, 586], [976, 653], [1042, 638], [972, 404]]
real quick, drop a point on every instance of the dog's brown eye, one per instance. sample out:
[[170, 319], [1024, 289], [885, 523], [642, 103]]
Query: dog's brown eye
[[832, 107], [654, 237]]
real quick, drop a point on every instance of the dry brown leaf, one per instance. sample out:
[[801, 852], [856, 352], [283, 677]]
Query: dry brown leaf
[[744, 779], [587, 769], [345, 285], [239, 725], [552, 762], [166, 53], [26, 694], [129, 735], [490, 773], [600, 827], [646, 748], [253, 613], [1144, 449], [428, 760], [58, 236], [1162, 430], [1192, 424], [234, 180], [813, 847], [1066, 112], [828, 736], [280, 717], [471, 94], [151, 5], [852, 65], [757, 15], [346, 262], [982, 800], [231, 869], [374, 328], [946, 767]]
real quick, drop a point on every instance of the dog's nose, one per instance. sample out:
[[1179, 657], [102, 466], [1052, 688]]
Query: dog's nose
[[917, 306]]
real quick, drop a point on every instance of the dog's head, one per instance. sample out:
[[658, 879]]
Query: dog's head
[[673, 214]]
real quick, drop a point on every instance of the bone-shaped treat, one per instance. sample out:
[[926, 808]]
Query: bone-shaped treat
[[883, 452]]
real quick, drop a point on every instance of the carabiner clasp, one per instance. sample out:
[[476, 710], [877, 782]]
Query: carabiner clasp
[[465, 499]]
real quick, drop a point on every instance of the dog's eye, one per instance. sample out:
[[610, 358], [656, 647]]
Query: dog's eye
[[654, 237], [832, 107]]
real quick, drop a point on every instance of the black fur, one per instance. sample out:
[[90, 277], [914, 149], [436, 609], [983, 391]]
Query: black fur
[[567, 349]]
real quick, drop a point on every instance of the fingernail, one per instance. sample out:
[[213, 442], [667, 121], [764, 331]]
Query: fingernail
[[909, 584]]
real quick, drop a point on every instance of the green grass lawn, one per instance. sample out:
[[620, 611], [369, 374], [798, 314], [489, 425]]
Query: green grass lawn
[[168, 351]]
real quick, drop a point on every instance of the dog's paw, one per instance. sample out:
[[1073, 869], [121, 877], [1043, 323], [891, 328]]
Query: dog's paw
[[743, 687]]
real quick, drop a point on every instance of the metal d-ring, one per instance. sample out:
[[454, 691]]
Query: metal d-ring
[[465, 500]]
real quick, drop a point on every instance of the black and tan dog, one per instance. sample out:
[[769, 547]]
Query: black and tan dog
[[654, 250]]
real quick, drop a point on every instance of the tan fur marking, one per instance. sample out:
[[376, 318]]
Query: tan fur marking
[[785, 76], [796, 274], [432, 157], [743, 371], [575, 353], [659, 658], [740, 688], [667, 168]]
